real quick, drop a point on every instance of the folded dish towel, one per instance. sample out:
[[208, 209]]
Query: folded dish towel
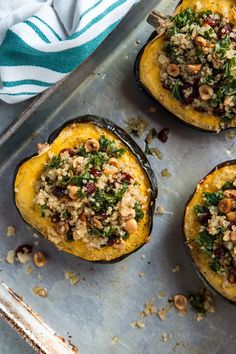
[[41, 41]]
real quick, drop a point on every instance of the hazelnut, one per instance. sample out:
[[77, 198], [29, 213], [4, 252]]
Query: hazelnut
[[73, 192], [92, 145], [180, 302], [131, 225], [231, 216], [127, 213], [228, 100], [225, 205], [200, 41], [39, 259], [231, 193], [83, 217], [194, 68], [206, 92], [62, 227], [173, 70], [233, 236], [97, 223]]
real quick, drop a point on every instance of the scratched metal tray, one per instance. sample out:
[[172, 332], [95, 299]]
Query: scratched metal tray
[[95, 314]]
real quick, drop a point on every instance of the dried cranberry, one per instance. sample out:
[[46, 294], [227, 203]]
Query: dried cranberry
[[58, 191], [55, 218], [203, 218], [232, 276], [125, 177], [218, 111], [194, 94], [95, 172], [163, 135], [90, 188], [24, 249], [220, 251], [224, 31], [211, 21], [71, 152], [112, 240], [101, 215]]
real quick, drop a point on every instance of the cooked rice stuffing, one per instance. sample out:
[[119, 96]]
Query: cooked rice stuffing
[[91, 195]]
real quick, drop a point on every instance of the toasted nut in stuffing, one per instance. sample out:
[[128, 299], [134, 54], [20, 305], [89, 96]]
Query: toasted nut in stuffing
[[131, 225], [194, 68], [73, 192], [113, 162], [206, 92], [62, 227], [231, 193], [10, 258], [180, 302], [231, 216], [173, 70], [200, 41], [226, 205], [39, 259], [92, 145]]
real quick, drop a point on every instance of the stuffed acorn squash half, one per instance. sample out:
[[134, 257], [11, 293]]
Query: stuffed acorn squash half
[[90, 191], [190, 65], [210, 229]]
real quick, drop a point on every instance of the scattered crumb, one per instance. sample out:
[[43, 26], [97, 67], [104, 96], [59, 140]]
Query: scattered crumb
[[115, 340], [39, 259], [157, 153], [136, 125], [230, 134], [162, 313], [199, 317], [74, 279], [149, 308], [138, 324], [152, 109], [181, 302], [29, 269], [162, 294], [38, 290], [10, 258], [141, 274], [35, 235], [160, 210], [143, 256], [24, 258], [165, 173], [176, 268], [11, 231], [166, 336], [39, 276]]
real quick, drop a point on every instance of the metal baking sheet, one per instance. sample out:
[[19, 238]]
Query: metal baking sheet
[[95, 314]]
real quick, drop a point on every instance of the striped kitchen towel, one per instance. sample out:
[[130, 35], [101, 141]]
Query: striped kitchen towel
[[44, 40]]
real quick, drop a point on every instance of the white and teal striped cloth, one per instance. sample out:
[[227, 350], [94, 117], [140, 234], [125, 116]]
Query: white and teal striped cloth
[[41, 41]]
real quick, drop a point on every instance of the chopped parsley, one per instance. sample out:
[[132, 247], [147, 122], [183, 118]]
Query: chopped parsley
[[110, 148], [212, 198], [42, 209], [139, 214], [54, 162]]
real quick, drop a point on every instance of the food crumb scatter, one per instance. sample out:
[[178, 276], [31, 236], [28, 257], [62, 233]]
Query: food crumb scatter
[[162, 294], [29, 269], [35, 235], [39, 291], [165, 337], [39, 259], [10, 258], [72, 277], [165, 173], [138, 324], [160, 210], [11, 231], [176, 268], [199, 317], [143, 256], [23, 253], [141, 274], [115, 340], [149, 308]]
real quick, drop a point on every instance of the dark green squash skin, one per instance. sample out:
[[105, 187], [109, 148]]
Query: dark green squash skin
[[135, 150], [200, 275]]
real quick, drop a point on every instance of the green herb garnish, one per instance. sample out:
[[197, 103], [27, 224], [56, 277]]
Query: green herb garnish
[[213, 198], [139, 214], [54, 162], [42, 209]]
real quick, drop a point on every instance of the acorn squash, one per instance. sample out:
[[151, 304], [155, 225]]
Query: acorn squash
[[175, 63], [73, 191], [209, 228]]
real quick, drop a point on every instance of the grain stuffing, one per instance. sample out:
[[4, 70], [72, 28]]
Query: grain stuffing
[[216, 217], [90, 194], [198, 63]]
